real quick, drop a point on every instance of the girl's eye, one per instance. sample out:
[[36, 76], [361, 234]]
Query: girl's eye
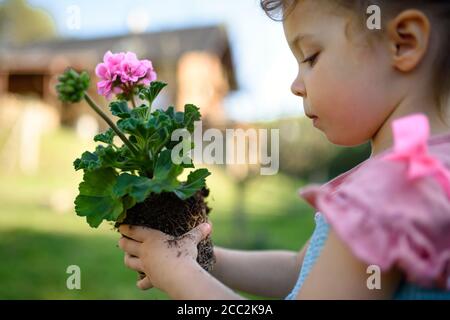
[[311, 59]]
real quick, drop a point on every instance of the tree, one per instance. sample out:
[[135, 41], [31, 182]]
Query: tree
[[20, 23]]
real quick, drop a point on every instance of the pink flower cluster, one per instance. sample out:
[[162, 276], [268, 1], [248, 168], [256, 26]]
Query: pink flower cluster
[[121, 72]]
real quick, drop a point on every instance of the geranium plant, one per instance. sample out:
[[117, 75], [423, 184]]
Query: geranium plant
[[136, 182]]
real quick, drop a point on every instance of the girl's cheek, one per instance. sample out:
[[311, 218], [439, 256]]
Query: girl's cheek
[[326, 92], [348, 100], [337, 102]]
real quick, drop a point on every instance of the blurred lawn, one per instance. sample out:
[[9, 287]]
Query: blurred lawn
[[41, 236]]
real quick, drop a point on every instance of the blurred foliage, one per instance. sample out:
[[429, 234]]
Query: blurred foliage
[[306, 153], [13, 13], [347, 158]]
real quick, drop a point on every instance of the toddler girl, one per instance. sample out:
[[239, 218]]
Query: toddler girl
[[382, 228]]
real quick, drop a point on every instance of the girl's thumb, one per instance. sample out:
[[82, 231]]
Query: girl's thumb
[[201, 232]]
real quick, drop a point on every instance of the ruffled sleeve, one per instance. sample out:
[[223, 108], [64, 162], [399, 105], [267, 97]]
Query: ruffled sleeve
[[395, 209]]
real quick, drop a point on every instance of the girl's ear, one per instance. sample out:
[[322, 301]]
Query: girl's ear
[[408, 36]]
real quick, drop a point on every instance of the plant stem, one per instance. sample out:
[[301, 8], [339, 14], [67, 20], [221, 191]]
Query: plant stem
[[97, 109], [150, 107], [133, 103]]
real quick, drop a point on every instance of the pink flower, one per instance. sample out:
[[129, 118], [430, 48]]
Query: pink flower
[[121, 72], [107, 71], [131, 69], [150, 75]]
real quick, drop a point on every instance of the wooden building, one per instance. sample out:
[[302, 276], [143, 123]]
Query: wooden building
[[196, 63]]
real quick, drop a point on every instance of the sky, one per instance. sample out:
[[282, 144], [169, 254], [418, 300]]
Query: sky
[[264, 64]]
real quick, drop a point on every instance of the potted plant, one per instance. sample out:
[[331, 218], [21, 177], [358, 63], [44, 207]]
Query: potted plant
[[137, 182]]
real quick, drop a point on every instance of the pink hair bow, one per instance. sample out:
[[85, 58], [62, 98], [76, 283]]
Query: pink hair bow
[[410, 145]]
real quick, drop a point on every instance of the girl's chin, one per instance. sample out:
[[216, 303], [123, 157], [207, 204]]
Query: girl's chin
[[344, 141]]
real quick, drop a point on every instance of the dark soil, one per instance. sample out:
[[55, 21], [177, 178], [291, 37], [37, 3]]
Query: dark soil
[[169, 214]]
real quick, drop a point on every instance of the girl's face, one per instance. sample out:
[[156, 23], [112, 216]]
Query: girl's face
[[344, 82]]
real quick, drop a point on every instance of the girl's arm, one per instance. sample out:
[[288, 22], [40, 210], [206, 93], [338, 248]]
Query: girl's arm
[[269, 273], [190, 281], [338, 274], [170, 265]]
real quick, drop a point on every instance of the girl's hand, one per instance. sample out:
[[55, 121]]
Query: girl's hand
[[159, 255]]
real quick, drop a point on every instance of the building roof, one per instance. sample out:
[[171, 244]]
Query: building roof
[[164, 47]]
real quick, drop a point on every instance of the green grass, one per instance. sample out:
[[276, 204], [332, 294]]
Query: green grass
[[38, 241]]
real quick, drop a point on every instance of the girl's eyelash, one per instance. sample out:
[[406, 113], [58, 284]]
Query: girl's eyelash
[[311, 59]]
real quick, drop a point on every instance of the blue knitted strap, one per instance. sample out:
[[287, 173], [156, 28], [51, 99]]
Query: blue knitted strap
[[316, 244]]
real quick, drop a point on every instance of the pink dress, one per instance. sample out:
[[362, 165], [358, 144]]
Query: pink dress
[[394, 208]]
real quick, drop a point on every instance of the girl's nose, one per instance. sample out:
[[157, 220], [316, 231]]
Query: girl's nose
[[298, 87]]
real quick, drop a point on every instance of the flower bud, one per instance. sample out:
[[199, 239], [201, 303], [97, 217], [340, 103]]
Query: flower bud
[[72, 86]]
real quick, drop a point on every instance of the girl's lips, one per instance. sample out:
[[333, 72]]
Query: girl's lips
[[314, 118], [311, 116]]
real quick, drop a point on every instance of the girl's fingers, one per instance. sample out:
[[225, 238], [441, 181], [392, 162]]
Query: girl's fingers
[[144, 284], [137, 233], [129, 246], [133, 263]]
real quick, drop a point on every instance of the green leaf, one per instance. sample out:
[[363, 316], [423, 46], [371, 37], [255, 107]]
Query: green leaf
[[106, 137], [160, 119], [120, 109], [139, 188], [96, 201], [108, 157], [102, 157], [152, 92], [139, 112], [176, 117], [170, 111], [165, 169], [128, 202], [179, 119], [136, 127], [191, 114], [133, 139], [195, 182], [88, 161]]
